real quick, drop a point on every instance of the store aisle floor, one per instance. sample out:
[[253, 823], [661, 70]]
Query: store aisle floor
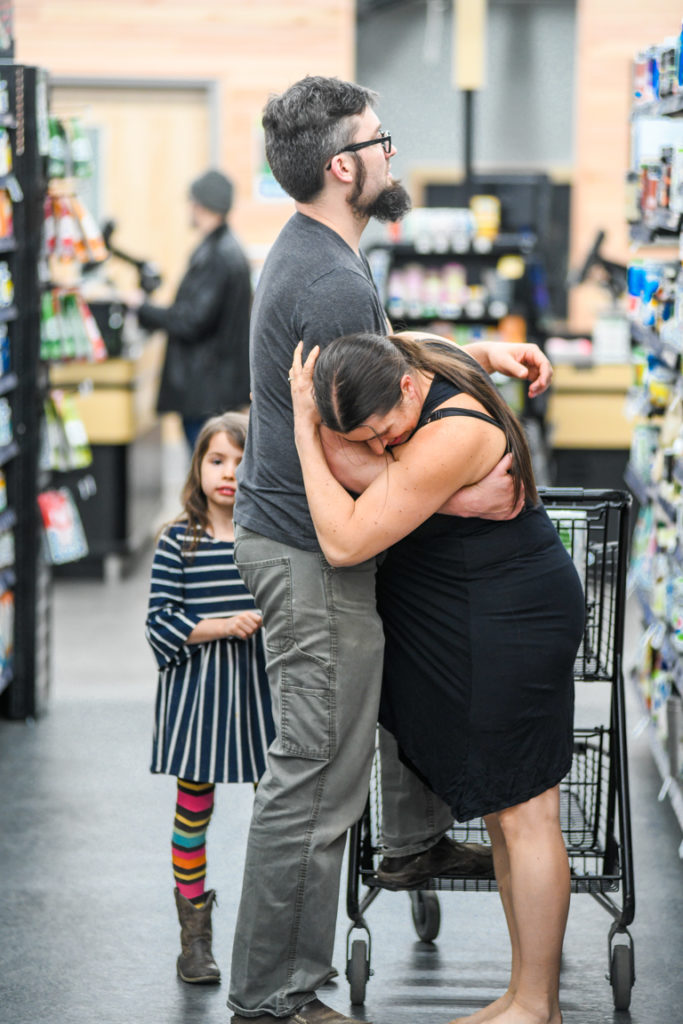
[[89, 934]]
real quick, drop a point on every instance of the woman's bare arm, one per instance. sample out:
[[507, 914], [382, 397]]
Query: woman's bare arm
[[355, 466], [351, 463]]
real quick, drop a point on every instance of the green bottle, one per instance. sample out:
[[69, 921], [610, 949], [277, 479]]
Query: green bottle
[[68, 315], [50, 343], [81, 150], [57, 150]]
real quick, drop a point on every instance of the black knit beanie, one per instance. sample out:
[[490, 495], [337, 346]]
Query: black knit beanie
[[213, 191]]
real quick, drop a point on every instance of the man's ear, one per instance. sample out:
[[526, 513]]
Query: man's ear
[[342, 167]]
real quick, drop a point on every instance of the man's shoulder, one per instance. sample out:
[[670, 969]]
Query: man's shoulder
[[313, 240], [311, 254], [309, 284]]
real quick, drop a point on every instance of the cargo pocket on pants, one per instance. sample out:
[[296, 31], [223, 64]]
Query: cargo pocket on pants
[[301, 675], [306, 712]]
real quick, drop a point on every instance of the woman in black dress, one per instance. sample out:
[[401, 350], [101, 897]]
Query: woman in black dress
[[482, 618]]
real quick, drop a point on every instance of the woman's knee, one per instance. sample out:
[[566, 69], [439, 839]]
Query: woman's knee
[[541, 813]]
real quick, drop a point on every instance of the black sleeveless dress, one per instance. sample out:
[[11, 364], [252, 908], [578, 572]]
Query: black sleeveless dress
[[482, 622]]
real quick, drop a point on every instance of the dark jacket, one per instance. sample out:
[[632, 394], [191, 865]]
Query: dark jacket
[[206, 368]]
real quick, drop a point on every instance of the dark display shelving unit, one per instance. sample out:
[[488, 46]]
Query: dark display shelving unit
[[25, 693]]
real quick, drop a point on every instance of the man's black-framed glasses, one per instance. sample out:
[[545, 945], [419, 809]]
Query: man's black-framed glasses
[[383, 140]]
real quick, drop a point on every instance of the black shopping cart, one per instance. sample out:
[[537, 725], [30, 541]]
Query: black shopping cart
[[595, 808]]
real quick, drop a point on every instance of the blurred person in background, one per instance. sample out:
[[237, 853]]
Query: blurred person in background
[[206, 366]]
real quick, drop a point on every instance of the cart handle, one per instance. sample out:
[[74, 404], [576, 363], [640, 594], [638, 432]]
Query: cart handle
[[621, 499]]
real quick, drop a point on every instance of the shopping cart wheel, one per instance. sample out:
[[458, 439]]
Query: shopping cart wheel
[[426, 914], [621, 976], [358, 970]]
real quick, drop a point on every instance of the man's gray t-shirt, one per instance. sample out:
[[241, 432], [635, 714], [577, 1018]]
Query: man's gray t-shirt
[[313, 288]]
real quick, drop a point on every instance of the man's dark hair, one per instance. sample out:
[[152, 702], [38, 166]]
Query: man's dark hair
[[306, 125]]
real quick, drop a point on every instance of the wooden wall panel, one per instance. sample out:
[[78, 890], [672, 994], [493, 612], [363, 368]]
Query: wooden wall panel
[[249, 49], [609, 33], [153, 142], [252, 49]]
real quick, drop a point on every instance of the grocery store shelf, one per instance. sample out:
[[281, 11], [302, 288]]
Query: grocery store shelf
[[671, 106], [671, 787], [8, 451], [8, 382], [8, 313], [640, 490], [8, 579], [522, 243], [655, 342], [6, 678]]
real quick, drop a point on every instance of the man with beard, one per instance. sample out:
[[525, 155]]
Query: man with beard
[[324, 640]]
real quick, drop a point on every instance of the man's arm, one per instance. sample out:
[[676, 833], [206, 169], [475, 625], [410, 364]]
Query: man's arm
[[492, 498], [195, 308], [523, 360], [514, 359]]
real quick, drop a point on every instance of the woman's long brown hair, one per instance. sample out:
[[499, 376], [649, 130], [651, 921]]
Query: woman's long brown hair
[[359, 376]]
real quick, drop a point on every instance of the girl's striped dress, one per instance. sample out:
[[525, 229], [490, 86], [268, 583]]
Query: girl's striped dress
[[213, 719]]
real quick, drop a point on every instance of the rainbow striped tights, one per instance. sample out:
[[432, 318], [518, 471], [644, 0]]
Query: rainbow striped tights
[[193, 810]]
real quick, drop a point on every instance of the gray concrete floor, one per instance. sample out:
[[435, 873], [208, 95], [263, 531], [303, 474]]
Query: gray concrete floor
[[86, 909]]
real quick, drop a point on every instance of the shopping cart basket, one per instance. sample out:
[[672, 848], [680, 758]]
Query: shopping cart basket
[[594, 796]]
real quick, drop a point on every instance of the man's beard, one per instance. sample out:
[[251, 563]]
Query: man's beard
[[392, 203]]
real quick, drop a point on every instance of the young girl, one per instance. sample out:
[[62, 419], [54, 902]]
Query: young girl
[[213, 720]]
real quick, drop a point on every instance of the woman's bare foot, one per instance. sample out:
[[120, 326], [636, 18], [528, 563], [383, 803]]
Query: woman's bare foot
[[487, 1012], [514, 1013]]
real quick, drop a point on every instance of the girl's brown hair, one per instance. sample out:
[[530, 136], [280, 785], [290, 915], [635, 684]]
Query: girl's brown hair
[[193, 499], [359, 376]]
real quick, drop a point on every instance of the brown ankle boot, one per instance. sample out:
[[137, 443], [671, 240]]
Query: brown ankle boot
[[196, 964]]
